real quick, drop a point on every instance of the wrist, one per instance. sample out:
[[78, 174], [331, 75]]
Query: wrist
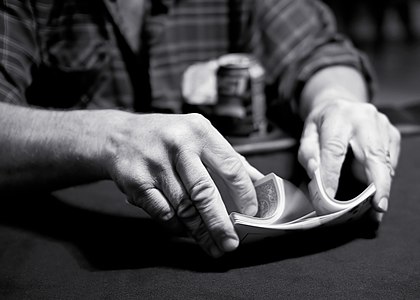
[[327, 97], [110, 132], [336, 82]]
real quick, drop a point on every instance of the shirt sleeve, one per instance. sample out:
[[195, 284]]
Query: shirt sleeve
[[18, 50], [294, 39]]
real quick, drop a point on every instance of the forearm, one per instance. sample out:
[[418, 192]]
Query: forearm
[[43, 149], [337, 82]]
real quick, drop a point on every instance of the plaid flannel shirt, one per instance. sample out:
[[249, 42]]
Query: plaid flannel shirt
[[131, 54]]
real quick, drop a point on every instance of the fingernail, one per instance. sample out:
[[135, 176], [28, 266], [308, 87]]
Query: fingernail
[[215, 252], [330, 192], [229, 244], [383, 204]]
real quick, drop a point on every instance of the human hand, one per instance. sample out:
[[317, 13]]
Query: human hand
[[335, 125], [163, 164]]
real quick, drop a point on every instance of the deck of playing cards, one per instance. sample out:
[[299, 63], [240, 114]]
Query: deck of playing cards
[[283, 208]]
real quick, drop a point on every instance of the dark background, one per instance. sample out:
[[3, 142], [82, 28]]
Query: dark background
[[68, 247], [393, 48]]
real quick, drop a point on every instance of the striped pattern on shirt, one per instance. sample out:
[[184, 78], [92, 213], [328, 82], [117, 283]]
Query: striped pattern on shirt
[[71, 53]]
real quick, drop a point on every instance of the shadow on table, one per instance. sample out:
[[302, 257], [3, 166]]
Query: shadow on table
[[106, 242]]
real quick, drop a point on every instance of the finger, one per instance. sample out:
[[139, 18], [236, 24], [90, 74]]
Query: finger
[[391, 142], [154, 203], [207, 200], [394, 147], [253, 173], [308, 154], [375, 218], [224, 161], [334, 140], [378, 170], [373, 150], [187, 213]]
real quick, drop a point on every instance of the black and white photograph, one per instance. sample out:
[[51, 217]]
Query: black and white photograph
[[209, 149]]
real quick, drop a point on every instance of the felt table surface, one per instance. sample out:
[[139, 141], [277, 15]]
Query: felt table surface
[[86, 242]]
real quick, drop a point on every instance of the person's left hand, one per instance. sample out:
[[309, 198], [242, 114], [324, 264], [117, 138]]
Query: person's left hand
[[337, 124]]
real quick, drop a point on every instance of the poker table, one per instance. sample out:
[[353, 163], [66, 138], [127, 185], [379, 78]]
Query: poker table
[[86, 242]]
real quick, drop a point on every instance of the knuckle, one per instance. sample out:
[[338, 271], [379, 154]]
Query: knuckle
[[146, 187], [377, 154], [383, 119], [332, 177], [197, 118], [191, 129], [367, 114], [186, 209], [338, 108], [147, 201], [183, 159], [145, 192], [134, 188], [245, 192], [334, 106], [198, 122], [370, 108], [234, 175], [177, 134], [233, 167], [202, 191], [336, 147]]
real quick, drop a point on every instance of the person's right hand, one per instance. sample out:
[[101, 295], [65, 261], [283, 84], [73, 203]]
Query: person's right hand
[[163, 164]]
